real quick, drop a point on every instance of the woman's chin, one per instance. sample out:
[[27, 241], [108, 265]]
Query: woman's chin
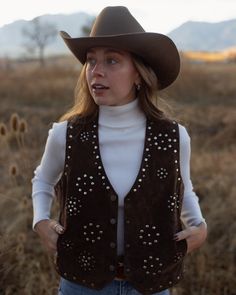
[[102, 101]]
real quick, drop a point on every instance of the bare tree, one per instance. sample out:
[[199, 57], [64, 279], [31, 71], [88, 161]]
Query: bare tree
[[39, 35]]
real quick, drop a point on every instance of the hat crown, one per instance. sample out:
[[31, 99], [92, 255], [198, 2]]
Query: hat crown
[[115, 20]]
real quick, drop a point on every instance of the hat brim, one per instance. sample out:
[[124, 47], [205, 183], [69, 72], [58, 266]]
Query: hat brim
[[158, 50]]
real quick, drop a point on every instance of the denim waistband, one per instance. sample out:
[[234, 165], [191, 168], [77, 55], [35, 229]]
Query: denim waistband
[[114, 288]]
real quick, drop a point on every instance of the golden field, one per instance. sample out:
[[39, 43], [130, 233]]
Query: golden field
[[224, 56], [203, 99]]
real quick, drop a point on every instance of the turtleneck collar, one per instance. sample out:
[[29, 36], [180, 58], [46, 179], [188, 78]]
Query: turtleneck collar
[[126, 115]]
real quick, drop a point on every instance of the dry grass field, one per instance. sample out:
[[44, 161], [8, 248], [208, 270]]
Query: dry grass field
[[203, 99], [228, 55]]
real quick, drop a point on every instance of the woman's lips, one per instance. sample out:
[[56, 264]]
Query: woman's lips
[[99, 88]]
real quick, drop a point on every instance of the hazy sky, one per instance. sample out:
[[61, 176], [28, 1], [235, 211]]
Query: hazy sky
[[154, 15]]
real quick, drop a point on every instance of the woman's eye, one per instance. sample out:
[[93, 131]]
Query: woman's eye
[[111, 61], [91, 61]]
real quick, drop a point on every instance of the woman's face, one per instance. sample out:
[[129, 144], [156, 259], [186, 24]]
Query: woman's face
[[111, 76]]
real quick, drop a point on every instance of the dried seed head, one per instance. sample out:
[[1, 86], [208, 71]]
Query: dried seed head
[[25, 202], [3, 129], [14, 122], [23, 127], [13, 170], [20, 249]]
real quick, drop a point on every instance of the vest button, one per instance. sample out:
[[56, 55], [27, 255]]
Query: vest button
[[113, 198], [127, 221], [113, 221], [127, 245], [112, 245], [127, 270], [111, 267]]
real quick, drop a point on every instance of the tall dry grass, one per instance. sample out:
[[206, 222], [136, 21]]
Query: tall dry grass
[[203, 99]]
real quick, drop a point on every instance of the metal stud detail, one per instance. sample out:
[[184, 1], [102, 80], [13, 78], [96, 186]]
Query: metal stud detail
[[98, 162], [146, 159], [73, 206], [163, 141], [149, 235], [84, 136], [92, 232], [86, 261], [152, 266], [85, 183], [173, 202], [162, 173], [178, 256], [67, 244]]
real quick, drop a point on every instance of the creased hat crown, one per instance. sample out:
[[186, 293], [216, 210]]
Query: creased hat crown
[[115, 21]]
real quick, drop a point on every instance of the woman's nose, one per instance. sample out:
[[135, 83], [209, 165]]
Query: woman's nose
[[98, 69]]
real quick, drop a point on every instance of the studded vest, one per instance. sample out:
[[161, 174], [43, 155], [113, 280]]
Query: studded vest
[[87, 252]]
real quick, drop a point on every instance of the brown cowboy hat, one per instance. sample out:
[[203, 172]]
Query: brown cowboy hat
[[116, 27]]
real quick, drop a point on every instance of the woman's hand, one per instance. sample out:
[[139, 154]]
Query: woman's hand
[[48, 231], [194, 235]]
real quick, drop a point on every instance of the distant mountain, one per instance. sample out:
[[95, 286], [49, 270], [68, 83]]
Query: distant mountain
[[194, 36], [203, 36], [12, 39]]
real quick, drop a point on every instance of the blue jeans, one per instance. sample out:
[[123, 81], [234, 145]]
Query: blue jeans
[[114, 288]]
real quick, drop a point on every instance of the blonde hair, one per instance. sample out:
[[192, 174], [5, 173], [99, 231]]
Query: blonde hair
[[149, 100], [84, 104], [148, 94]]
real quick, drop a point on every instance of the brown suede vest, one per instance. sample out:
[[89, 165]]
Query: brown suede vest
[[87, 251]]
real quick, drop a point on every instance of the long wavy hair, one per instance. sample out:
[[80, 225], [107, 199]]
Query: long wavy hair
[[149, 100]]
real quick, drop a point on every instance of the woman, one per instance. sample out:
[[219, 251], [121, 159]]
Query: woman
[[120, 168]]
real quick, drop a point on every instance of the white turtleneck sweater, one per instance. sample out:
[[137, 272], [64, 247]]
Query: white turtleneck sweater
[[121, 131]]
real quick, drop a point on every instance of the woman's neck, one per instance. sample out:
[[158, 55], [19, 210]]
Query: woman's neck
[[121, 116]]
